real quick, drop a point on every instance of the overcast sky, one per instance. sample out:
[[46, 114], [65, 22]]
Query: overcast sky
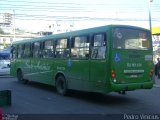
[[36, 14]]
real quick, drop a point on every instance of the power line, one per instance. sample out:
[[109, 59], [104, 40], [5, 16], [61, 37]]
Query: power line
[[66, 3], [84, 18], [38, 9], [70, 7], [21, 8]]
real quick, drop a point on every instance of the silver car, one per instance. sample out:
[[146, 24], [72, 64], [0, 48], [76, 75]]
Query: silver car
[[4, 67]]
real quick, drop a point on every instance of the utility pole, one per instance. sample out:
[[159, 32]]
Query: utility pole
[[14, 26], [150, 19]]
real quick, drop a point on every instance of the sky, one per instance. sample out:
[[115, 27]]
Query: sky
[[35, 15]]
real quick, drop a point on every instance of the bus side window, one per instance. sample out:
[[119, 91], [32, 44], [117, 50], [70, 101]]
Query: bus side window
[[48, 51], [20, 51], [98, 49], [36, 50], [80, 47], [62, 48], [27, 51]]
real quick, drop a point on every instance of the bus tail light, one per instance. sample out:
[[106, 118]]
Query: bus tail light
[[113, 74], [151, 73]]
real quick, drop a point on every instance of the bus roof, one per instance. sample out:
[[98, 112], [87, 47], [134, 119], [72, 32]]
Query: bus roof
[[74, 33]]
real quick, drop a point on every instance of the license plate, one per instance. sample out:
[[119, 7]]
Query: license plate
[[133, 76]]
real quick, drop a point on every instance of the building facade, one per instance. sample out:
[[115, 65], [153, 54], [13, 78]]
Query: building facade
[[6, 22], [60, 27], [6, 40]]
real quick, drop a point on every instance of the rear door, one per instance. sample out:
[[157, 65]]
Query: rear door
[[98, 66], [78, 65]]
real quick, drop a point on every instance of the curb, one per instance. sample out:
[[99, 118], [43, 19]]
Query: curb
[[155, 85], [5, 76]]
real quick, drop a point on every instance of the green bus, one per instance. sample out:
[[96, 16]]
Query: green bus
[[111, 58]]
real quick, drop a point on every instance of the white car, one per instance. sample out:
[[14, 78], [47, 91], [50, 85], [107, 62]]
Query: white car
[[4, 67]]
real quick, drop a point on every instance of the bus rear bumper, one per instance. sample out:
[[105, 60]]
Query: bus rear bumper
[[131, 86]]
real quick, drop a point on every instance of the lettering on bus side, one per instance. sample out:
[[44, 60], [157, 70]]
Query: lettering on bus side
[[60, 68], [38, 66], [148, 57], [134, 64]]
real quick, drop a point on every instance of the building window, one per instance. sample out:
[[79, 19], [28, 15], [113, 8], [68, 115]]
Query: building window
[[11, 40]]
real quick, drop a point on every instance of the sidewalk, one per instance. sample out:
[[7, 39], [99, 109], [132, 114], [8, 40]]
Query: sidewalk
[[157, 82]]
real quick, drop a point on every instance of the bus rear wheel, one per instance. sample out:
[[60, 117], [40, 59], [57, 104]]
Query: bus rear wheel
[[122, 92], [61, 85]]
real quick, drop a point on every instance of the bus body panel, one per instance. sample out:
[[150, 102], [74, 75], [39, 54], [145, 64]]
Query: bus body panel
[[42, 70], [99, 75], [132, 73], [13, 69], [78, 75]]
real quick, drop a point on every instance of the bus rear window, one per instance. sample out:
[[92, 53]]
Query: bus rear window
[[127, 38]]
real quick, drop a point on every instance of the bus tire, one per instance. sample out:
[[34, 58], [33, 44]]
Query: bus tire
[[20, 77], [122, 92], [61, 85]]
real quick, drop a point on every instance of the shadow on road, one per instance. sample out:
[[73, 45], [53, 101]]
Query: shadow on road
[[103, 99], [39, 86], [96, 98]]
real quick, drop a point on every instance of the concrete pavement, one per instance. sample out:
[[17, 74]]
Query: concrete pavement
[[157, 82]]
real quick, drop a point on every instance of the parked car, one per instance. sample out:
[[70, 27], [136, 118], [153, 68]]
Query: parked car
[[4, 67]]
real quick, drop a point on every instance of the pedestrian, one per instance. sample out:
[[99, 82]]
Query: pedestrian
[[1, 112], [157, 68]]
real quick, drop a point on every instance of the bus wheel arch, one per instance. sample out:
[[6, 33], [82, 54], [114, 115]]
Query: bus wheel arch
[[20, 76], [61, 84], [123, 92]]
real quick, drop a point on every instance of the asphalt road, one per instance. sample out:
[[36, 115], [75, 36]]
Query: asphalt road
[[35, 98]]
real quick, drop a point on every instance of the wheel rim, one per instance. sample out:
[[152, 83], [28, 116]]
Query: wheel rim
[[61, 86]]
